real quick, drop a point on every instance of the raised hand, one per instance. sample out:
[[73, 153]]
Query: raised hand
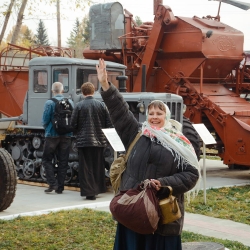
[[102, 74]]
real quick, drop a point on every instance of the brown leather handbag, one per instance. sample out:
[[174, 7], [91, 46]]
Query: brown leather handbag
[[170, 210], [137, 209]]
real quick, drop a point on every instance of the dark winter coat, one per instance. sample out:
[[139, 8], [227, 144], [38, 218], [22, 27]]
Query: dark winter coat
[[88, 119], [149, 159]]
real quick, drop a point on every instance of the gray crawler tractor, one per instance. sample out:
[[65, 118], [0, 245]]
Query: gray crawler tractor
[[26, 145]]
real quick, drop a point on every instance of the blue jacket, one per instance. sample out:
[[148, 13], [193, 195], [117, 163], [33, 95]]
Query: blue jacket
[[49, 108]]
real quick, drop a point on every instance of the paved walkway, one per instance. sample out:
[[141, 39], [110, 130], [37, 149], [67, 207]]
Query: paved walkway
[[31, 200]]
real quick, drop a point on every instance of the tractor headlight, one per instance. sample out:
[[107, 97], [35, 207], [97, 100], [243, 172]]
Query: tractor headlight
[[184, 108], [141, 108]]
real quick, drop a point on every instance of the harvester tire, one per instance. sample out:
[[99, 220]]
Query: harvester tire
[[8, 179], [190, 132]]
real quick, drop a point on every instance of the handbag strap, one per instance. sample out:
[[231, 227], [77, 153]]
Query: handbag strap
[[132, 145]]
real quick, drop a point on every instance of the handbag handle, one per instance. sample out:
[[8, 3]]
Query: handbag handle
[[173, 200], [170, 189]]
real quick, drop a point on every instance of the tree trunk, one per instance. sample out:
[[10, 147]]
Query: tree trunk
[[59, 39], [6, 19], [18, 22]]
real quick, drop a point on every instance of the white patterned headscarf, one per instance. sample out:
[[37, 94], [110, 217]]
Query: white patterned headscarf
[[171, 137]]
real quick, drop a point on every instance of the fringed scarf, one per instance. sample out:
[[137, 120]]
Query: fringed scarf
[[171, 137]]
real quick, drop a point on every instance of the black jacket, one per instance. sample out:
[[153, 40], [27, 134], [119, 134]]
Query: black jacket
[[88, 119], [149, 159]]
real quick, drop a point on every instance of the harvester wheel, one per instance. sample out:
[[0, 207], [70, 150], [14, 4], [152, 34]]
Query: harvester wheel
[[8, 179], [190, 132]]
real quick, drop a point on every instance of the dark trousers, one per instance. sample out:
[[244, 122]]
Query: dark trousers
[[61, 147], [126, 239], [91, 171]]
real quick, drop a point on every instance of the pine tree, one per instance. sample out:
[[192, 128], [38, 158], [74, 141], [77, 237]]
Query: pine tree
[[138, 20], [28, 37], [86, 33], [75, 35], [76, 39], [41, 38]]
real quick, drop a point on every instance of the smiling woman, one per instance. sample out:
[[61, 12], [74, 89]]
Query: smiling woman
[[160, 155], [157, 113]]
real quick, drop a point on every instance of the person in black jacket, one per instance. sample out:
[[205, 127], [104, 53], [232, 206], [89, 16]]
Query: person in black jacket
[[88, 119], [162, 154]]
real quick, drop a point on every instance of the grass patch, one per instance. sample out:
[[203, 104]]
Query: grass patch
[[211, 157], [211, 154], [75, 229], [226, 203], [95, 230]]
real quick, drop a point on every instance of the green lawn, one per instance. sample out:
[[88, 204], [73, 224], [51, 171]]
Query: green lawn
[[94, 230], [75, 229], [226, 203]]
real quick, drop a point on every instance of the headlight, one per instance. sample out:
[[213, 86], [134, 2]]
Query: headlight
[[184, 108], [141, 108]]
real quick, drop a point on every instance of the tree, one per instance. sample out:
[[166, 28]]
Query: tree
[[41, 37], [25, 36], [3, 45], [28, 38], [86, 33], [19, 22], [78, 37], [7, 16], [75, 35], [31, 7], [138, 20], [59, 37]]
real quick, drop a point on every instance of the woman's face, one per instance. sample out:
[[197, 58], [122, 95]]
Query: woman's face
[[156, 117]]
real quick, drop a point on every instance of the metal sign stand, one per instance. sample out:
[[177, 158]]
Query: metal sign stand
[[114, 140], [207, 138], [204, 173]]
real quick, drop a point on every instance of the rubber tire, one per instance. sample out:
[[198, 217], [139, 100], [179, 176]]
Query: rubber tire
[[190, 132], [8, 179]]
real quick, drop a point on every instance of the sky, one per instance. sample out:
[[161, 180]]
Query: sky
[[230, 15]]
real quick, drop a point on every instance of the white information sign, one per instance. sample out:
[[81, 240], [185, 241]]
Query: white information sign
[[203, 132], [114, 139]]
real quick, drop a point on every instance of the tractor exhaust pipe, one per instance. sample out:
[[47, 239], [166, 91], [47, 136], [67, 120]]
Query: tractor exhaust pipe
[[122, 83]]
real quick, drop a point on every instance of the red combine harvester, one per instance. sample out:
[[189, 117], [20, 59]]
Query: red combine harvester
[[200, 59]]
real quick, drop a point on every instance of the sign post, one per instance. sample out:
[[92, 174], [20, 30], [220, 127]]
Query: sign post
[[206, 138], [114, 140]]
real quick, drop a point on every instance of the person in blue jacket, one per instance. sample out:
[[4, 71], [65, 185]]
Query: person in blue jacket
[[55, 143]]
